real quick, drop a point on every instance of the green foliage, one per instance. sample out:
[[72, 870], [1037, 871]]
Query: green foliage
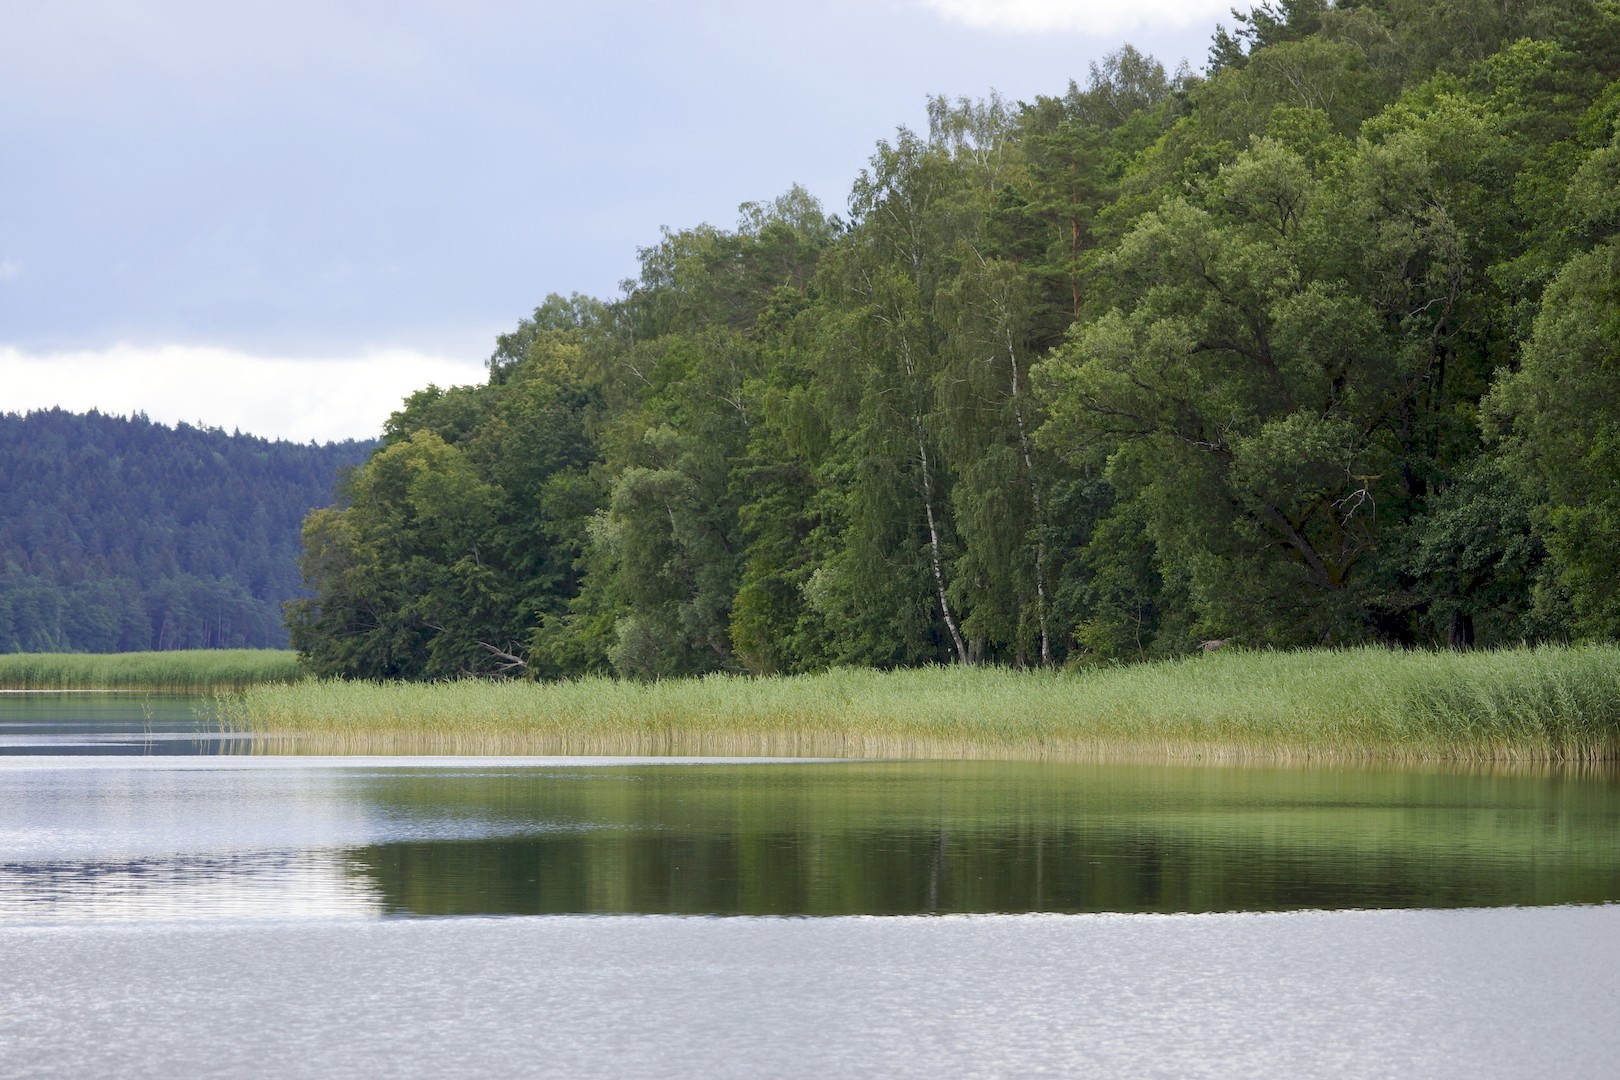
[[1481, 558], [463, 531], [1560, 704], [1248, 375], [1563, 432], [175, 671]]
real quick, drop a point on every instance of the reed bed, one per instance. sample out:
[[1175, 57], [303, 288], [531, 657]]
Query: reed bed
[[1545, 704], [178, 671]]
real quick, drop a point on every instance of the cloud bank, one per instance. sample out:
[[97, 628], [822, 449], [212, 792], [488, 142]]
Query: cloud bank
[[275, 397], [1082, 16]]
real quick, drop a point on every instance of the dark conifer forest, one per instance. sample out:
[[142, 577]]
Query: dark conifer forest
[[1318, 346], [122, 534]]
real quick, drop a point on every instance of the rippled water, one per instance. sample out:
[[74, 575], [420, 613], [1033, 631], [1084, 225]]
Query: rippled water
[[1480, 993], [1091, 916]]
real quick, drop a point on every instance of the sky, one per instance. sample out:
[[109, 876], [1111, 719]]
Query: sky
[[283, 217]]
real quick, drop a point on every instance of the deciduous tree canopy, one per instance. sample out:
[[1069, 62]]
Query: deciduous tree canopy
[[1318, 347]]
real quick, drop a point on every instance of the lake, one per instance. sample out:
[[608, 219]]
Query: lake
[[172, 900]]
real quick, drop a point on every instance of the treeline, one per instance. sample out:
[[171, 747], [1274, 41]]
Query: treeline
[[1317, 347], [121, 535]]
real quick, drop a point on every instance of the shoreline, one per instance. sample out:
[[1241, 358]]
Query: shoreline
[[1557, 704], [1549, 704], [179, 671]]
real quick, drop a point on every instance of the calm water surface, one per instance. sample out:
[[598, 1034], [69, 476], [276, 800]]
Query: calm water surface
[[1114, 907]]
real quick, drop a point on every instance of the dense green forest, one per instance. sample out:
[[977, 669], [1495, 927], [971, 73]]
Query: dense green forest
[[121, 534], [1318, 346]]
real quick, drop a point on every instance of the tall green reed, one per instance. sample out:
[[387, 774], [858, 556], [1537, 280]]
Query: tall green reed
[[1515, 704], [179, 671]]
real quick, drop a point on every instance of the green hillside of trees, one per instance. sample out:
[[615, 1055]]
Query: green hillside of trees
[[1320, 346], [121, 535]]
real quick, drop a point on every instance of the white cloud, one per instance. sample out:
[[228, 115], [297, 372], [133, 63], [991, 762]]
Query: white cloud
[[276, 397], [1085, 16], [9, 268]]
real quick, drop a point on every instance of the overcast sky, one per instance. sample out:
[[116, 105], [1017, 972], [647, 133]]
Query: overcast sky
[[284, 216]]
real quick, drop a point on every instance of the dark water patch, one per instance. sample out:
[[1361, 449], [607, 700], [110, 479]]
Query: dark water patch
[[93, 837], [943, 838]]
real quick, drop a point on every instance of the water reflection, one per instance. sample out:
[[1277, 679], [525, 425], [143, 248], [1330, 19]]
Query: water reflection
[[259, 885], [116, 724], [912, 838], [209, 837], [97, 822]]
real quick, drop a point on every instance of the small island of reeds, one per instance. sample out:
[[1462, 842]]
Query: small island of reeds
[[1372, 704], [179, 671]]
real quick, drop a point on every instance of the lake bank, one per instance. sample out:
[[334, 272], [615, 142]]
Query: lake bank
[[1547, 704], [179, 671]]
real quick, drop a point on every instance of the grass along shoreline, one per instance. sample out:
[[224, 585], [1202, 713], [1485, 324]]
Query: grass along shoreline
[[179, 671], [1546, 704]]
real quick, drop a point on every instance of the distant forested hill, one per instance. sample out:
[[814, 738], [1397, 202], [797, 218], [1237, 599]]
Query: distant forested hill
[[123, 534]]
